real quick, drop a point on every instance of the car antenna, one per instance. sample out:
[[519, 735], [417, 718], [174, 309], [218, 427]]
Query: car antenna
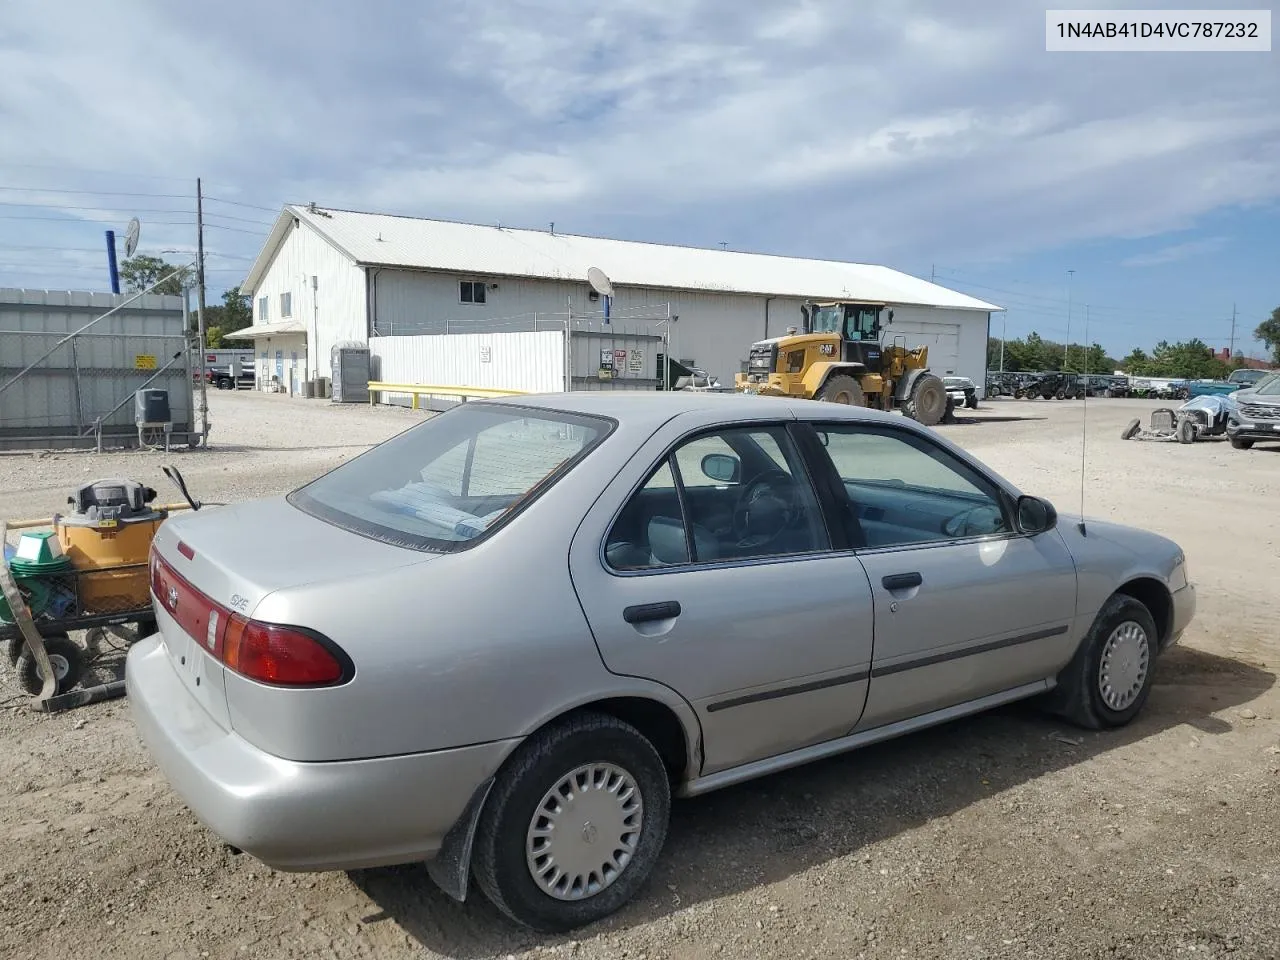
[[1084, 421]]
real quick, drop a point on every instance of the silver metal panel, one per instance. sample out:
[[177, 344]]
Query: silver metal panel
[[93, 375], [526, 361]]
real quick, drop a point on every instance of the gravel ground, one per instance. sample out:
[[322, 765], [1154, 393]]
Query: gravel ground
[[1006, 835]]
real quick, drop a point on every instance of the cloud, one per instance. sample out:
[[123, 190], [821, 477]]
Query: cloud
[[1177, 252], [871, 132]]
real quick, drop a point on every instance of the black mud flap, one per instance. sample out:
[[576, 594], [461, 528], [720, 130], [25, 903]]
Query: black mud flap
[[451, 867]]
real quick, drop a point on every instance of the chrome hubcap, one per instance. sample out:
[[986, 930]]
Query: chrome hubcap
[[584, 831], [1125, 660]]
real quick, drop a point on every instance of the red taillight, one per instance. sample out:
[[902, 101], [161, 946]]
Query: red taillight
[[283, 656], [266, 652]]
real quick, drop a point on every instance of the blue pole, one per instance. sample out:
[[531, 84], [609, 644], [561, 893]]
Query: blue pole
[[111, 261], [607, 300]]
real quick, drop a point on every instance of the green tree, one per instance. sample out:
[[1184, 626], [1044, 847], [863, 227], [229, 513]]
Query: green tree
[[1136, 362], [233, 314], [141, 271], [1269, 333]]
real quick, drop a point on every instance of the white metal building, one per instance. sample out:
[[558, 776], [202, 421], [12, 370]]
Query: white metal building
[[325, 276]]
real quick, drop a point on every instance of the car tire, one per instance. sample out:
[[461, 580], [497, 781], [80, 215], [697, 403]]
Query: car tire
[[1133, 428], [1186, 431], [971, 403], [599, 747], [842, 389], [1109, 678], [65, 655], [1241, 443]]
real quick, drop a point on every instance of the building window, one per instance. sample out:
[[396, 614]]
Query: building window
[[286, 305], [262, 309], [471, 291]]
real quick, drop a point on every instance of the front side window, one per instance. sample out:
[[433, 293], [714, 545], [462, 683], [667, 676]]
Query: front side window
[[903, 490], [737, 494], [454, 478]]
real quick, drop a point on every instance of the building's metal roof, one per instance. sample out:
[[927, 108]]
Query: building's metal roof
[[411, 242]]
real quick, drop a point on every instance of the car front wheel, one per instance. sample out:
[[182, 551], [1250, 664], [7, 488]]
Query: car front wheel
[[574, 824], [1108, 680], [1240, 443]]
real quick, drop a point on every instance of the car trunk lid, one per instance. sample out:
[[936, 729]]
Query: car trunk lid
[[210, 565]]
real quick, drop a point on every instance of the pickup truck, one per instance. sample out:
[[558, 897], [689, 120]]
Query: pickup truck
[[225, 378], [1239, 380]]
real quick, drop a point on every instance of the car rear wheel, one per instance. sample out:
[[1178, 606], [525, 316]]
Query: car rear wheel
[[1239, 443], [1108, 680], [574, 824]]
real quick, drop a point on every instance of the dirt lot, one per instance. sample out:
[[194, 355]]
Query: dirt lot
[[1004, 835]]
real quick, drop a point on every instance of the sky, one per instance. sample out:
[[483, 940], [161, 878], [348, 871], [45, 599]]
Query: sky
[[934, 137]]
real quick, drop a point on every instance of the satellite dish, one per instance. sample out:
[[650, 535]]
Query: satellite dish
[[599, 282], [131, 237]]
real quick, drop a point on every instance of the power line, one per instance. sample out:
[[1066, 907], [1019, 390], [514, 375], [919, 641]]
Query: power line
[[73, 219], [103, 208], [252, 233], [240, 203], [227, 216], [98, 193]]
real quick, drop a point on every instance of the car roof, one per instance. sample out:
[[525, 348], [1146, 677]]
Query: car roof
[[637, 407]]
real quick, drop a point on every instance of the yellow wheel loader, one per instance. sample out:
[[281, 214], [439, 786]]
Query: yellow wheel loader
[[841, 357]]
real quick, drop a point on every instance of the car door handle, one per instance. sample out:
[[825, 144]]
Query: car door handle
[[902, 581], [645, 612]]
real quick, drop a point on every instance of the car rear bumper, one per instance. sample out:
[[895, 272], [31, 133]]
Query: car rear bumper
[[300, 816], [1184, 611]]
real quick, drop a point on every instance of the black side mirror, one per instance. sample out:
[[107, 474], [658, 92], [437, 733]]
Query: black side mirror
[[1036, 515], [824, 438], [721, 467]]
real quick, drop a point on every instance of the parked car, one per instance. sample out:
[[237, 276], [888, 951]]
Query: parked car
[[1255, 414], [962, 391], [228, 378], [503, 640], [1238, 380]]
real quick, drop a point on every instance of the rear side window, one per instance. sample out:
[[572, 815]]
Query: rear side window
[[727, 495], [455, 478]]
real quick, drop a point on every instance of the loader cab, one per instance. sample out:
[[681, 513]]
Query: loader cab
[[856, 324]]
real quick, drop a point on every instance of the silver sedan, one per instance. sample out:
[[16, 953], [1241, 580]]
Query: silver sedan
[[502, 641]]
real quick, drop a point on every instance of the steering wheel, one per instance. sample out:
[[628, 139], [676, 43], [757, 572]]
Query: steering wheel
[[765, 508], [974, 522]]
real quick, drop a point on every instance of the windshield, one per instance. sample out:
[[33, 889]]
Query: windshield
[[454, 478], [1247, 376], [828, 320], [1268, 387]]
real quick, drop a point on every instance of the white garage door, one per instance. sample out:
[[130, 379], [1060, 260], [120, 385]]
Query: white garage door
[[942, 339]]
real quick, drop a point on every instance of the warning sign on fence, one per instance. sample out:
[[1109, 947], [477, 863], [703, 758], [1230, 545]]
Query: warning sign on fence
[[144, 361]]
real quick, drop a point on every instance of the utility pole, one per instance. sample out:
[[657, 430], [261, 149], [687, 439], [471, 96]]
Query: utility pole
[[1067, 346], [204, 398], [933, 272], [1232, 351], [1004, 333]]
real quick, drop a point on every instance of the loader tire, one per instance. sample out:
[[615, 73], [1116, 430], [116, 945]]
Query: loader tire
[[842, 389], [927, 403]]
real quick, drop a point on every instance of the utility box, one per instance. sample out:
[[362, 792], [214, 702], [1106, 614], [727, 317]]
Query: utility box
[[350, 362], [151, 406]]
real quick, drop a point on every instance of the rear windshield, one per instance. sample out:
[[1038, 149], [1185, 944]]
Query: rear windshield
[[451, 480]]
